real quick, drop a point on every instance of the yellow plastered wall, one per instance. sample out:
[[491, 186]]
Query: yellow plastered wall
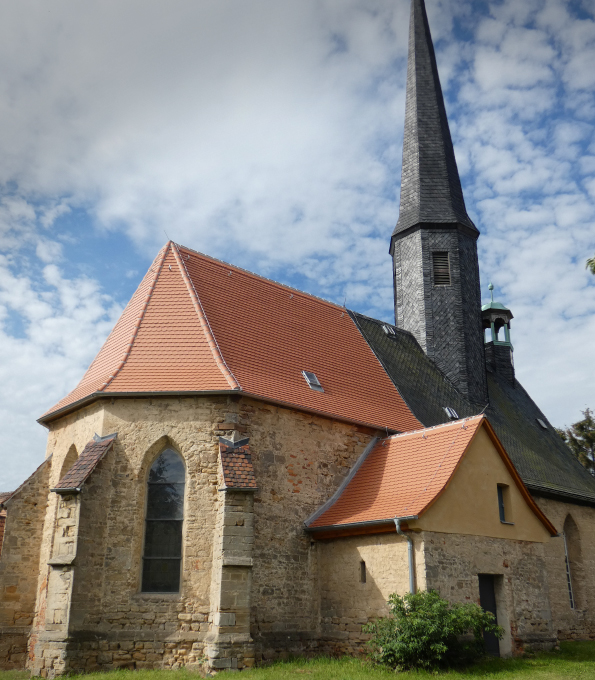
[[469, 505]]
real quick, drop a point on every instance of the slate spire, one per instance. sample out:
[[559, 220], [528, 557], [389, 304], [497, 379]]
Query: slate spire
[[434, 245], [430, 186]]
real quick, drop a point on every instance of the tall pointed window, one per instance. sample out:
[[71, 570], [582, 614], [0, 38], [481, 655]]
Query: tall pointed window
[[163, 526]]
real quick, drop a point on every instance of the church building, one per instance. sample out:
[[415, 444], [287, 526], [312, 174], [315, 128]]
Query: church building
[[247, 471]]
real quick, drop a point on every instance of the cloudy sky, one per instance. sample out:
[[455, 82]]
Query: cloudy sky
[[269, 134]]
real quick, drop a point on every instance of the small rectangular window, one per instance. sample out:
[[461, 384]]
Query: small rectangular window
[[441, 268], [362, 572], [504, 509], [501, 507]]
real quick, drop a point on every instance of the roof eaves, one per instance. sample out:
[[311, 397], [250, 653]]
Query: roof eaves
[[352, 525], [48, 417], [204, 322]]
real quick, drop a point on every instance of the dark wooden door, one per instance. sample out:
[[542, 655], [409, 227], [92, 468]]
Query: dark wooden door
[[487, 599]]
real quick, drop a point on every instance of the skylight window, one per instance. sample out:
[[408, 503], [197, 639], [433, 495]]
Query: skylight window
[[451, 413], [312, 380], [541, 423], [389, 330]]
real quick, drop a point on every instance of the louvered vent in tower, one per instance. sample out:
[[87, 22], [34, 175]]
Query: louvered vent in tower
[[441, 267]]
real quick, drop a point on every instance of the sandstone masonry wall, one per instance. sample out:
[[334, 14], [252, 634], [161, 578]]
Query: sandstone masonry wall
[[453, 562], [19, 566], [579, 622], [347, 603]]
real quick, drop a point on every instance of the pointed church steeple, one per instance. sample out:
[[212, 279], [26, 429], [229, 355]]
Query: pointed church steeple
[[430, 186], [434, 249]]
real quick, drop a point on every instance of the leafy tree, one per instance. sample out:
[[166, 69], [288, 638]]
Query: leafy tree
[[580, 437], [425, 631], [591, 264]]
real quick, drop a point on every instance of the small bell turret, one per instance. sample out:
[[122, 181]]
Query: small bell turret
[[498, 347]]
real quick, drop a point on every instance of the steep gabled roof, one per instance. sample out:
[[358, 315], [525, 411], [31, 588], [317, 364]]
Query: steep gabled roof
[[403, 475], [430, 185], [200, 325]]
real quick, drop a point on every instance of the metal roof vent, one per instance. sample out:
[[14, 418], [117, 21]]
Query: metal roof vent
[[312, 380], [451, 413], [389, 330], [541, 423]]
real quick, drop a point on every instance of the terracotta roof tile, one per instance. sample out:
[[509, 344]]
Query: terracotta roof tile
[[236, 462], [5, 495], [90, 456], [401, 476], [198, 324]]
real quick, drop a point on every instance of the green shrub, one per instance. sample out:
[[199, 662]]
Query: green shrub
[[425, 631]]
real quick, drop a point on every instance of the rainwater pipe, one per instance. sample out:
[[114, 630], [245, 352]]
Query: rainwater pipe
[[409, 540]]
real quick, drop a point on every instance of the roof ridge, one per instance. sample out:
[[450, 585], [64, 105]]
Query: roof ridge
[[139, 319], [436, 427], [204, 322], [265, 278]]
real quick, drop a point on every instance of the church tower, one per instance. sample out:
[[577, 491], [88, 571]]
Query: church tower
[[434, 245]]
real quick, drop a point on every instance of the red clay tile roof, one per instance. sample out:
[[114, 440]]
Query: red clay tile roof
[[403, 475], [236, 462], [85, 464], [5, 495], [198, 324]]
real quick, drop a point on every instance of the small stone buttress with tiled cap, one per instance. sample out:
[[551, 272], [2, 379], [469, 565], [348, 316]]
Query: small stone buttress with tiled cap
[[247, 471]]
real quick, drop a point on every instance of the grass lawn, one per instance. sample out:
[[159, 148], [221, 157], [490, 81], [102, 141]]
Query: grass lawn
[[574, 660]]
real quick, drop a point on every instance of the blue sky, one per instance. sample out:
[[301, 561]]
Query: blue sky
[[269, 135]]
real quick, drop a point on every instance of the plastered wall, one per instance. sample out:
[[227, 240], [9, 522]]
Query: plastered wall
[[470, 503]]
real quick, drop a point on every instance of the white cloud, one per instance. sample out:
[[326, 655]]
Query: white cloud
[[269, 133]]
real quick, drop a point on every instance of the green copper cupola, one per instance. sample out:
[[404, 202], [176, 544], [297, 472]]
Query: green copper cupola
[[498, 348], [496, 321]]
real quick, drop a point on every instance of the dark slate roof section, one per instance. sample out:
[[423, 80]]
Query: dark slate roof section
[[236, 461], [431, 190], [422, 385], [544, 462], [78, 474], [542, 459]]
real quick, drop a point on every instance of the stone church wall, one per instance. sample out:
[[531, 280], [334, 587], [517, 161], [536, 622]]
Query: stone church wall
[[569, 622], [349, 598], [453, 562], [19, 567], [90, 613]]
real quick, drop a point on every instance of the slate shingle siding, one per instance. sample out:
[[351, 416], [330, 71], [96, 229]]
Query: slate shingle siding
[[446, 320]]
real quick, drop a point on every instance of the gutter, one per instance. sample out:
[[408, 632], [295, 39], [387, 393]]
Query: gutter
[[67, 490], [409, 540], [96, 396]]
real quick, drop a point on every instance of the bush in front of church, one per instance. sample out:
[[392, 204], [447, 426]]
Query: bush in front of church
[[425, 631]]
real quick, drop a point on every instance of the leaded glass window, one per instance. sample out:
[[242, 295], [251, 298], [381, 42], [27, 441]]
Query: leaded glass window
[[163, 526]]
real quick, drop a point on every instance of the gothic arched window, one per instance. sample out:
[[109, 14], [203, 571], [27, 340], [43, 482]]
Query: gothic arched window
[[573, 558], [162, 555]]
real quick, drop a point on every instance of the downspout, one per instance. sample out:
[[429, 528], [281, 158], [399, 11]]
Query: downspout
[[409, 540]]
